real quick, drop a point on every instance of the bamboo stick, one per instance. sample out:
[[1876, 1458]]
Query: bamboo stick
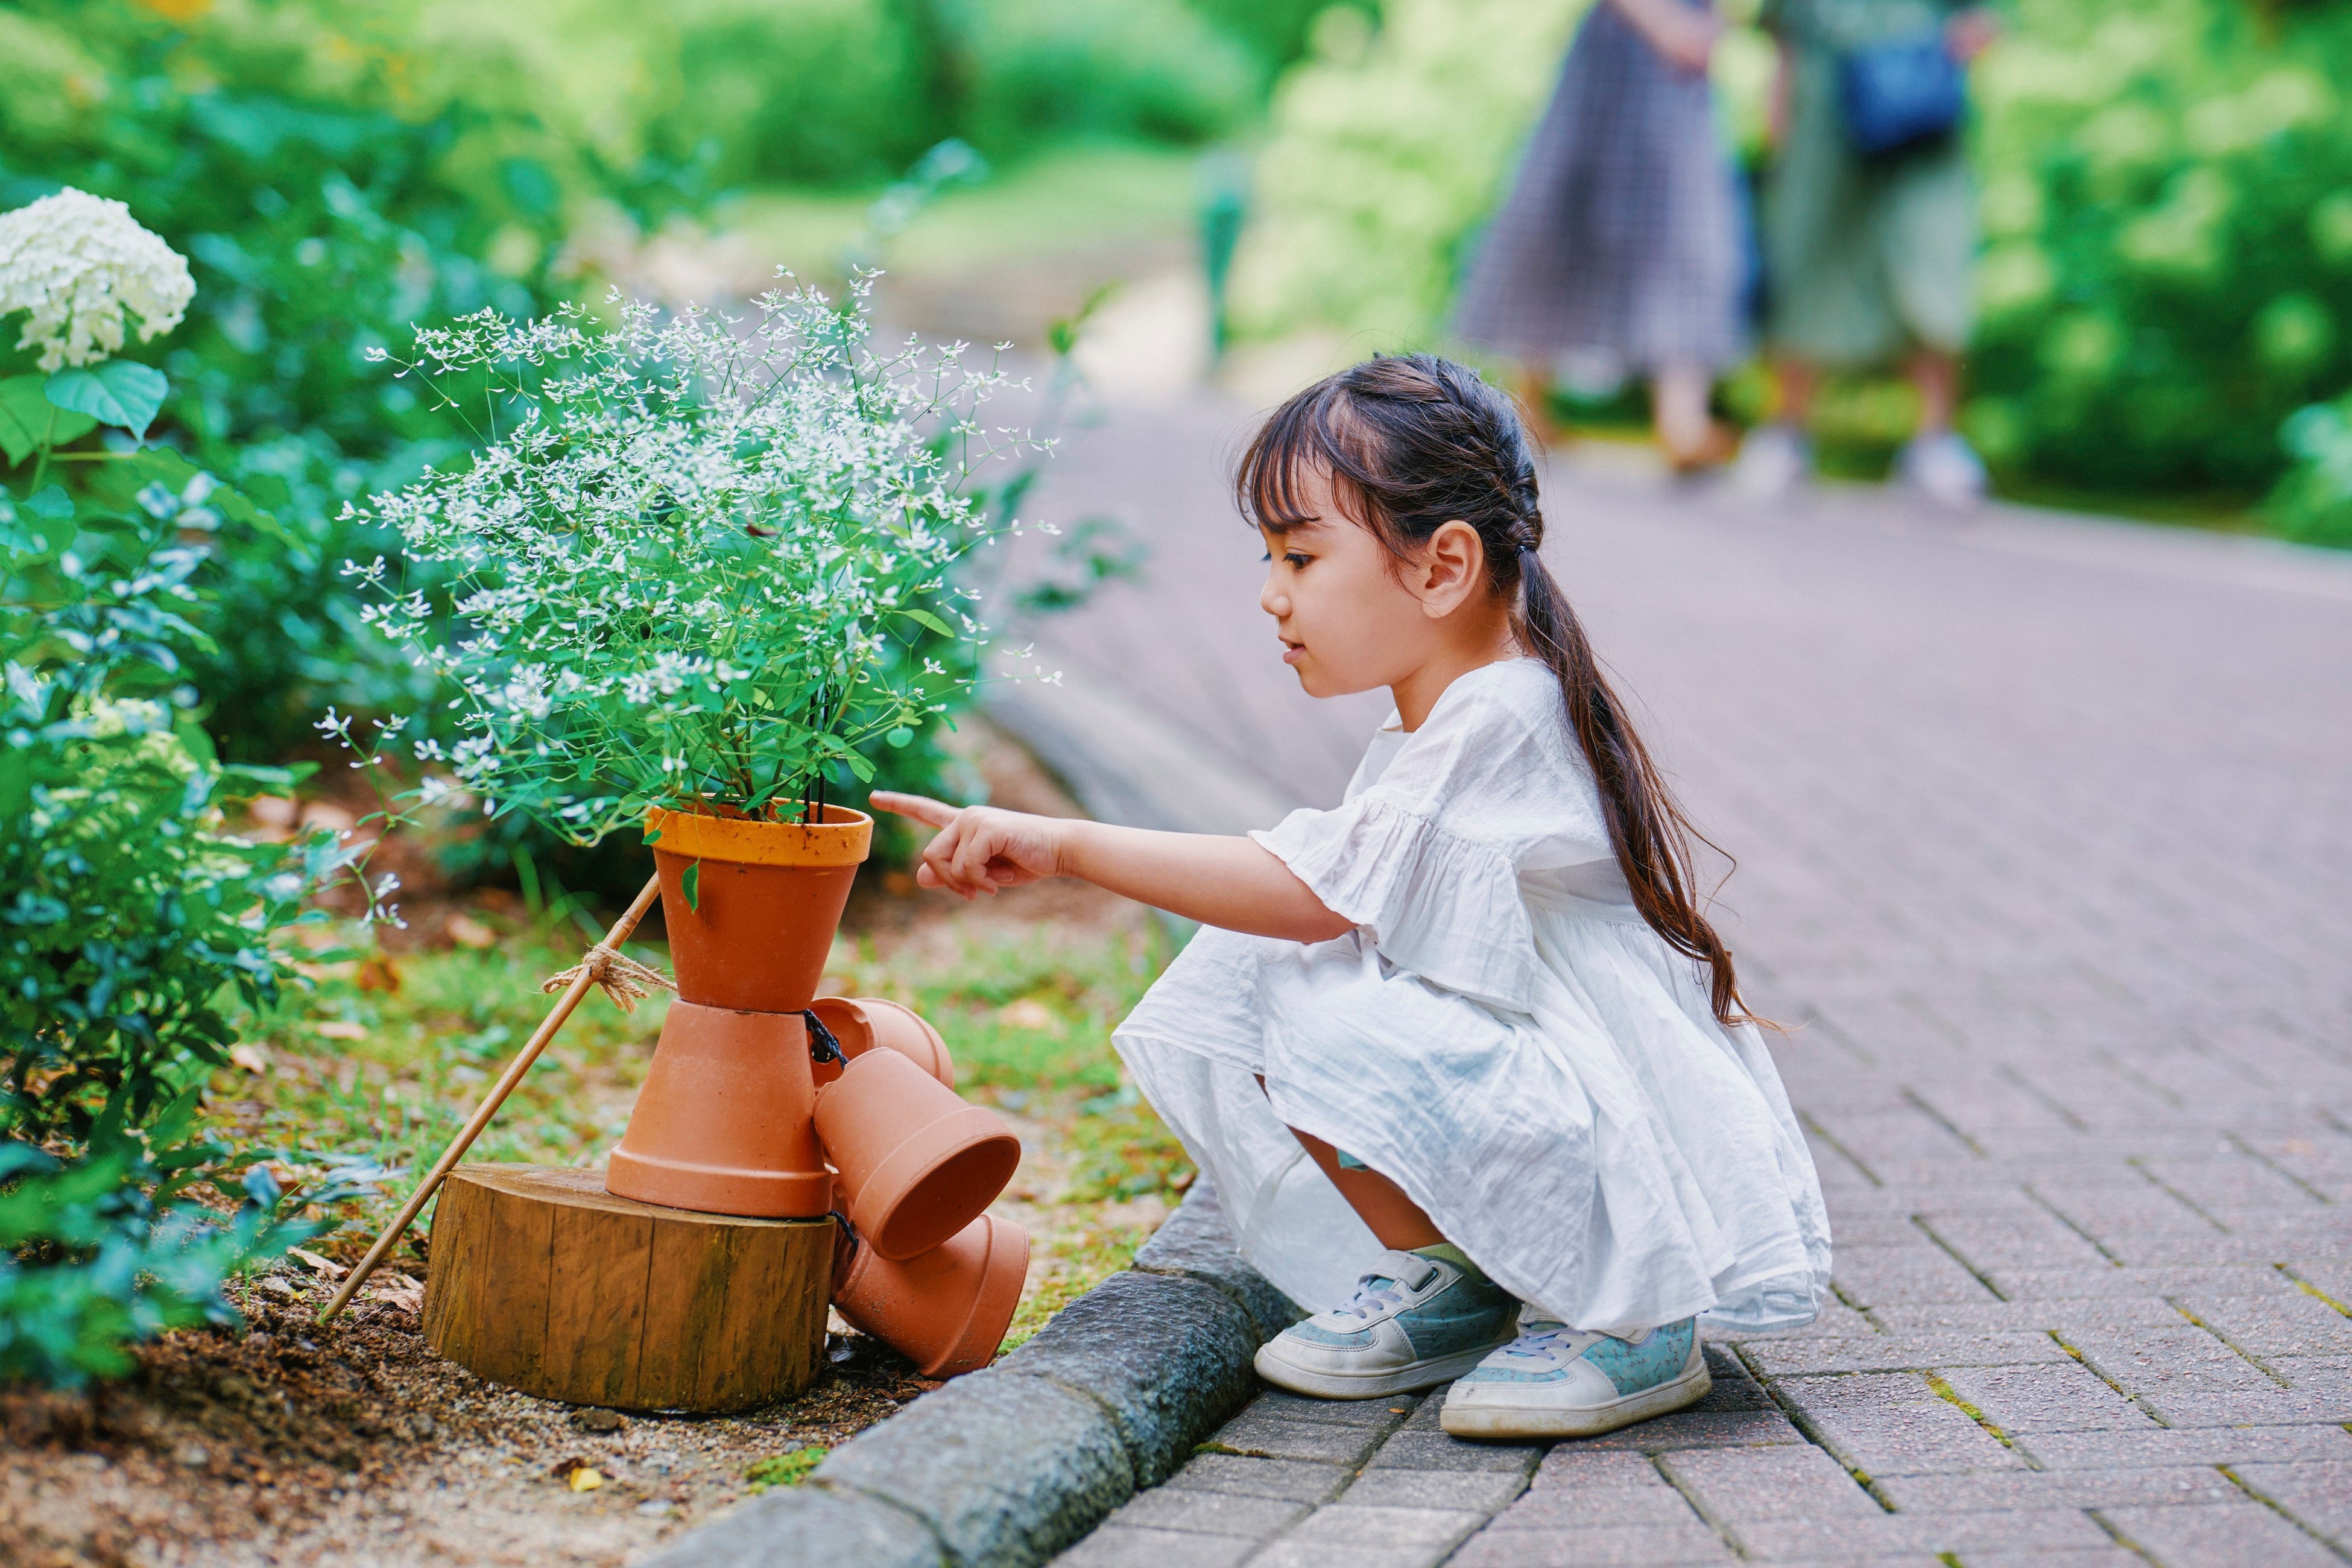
[[508, 1079]]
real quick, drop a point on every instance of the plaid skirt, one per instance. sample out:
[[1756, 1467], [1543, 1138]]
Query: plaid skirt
[[1623, 236]]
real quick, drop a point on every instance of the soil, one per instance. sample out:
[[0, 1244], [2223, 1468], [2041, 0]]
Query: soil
[[355, 1444], [288, 1442]]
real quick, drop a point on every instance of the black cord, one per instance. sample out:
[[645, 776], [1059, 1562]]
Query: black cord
[[822, 1046]]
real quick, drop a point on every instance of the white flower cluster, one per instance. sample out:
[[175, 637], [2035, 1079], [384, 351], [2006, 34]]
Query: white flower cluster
[[80, 263], [705, 559]]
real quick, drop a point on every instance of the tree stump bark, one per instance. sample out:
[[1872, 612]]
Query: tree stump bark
[[542, 1280]]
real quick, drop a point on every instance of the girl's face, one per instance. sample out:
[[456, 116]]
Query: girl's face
[[1351, 617]]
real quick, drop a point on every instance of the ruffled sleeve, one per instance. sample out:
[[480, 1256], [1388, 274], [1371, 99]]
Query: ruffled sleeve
[[1427, 853], [1445, 908]]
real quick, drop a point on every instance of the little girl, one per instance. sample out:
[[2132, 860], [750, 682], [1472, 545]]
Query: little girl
[[1465, 1043]]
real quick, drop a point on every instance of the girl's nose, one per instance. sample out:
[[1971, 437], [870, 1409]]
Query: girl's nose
[[1274, 598]]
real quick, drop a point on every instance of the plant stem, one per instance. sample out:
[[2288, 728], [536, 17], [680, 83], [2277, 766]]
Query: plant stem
[[48, 437]]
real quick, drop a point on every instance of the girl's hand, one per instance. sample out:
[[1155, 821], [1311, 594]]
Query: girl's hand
[[979, 849]]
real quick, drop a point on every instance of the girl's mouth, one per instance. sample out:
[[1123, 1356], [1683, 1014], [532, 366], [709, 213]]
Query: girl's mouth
[[1292, 652]]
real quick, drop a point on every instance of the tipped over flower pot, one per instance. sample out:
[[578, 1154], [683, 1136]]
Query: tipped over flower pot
[[917, 1164], [945, 1309], [860, 1024]]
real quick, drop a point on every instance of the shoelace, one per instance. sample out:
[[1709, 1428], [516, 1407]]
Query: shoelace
[[1537, 1342], [1374, 1293]]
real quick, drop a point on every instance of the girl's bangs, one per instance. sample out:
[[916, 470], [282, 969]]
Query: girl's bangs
[[1297, 439]]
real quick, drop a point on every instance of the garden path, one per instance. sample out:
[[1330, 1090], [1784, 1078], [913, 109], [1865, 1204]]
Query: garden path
[[2045, 839]]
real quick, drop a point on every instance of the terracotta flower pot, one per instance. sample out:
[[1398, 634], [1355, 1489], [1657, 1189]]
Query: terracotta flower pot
[[862, 1023], [947, 1309], [723, 1124], [767, 899], [916, 1164]]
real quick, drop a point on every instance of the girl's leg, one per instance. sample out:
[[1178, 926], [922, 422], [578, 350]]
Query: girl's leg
[[1394, 1218]]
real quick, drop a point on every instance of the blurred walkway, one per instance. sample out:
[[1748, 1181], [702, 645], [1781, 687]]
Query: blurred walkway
[[2046, 837]]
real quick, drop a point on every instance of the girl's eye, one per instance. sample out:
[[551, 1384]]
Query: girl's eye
[[1294, 561]]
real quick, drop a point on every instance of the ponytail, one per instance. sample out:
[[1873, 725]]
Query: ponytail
[[1411, 442], [1646, 826]]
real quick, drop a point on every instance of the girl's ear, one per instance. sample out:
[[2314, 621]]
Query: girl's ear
[[1452, 567]]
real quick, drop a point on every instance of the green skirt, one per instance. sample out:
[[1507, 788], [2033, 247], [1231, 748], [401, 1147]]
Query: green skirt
[[1867, 257]]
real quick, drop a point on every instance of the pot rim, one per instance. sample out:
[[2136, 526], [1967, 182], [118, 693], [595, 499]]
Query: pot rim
[[845, 837]]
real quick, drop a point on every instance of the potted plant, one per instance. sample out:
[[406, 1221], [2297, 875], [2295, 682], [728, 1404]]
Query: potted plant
[[684, 579]]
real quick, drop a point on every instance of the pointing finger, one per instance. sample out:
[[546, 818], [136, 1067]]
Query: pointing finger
[[922, 808]]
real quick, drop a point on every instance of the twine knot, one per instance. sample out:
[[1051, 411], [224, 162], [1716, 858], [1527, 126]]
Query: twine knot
[[624, 980]]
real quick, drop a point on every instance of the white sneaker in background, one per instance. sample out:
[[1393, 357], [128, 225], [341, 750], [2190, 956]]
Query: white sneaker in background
[[1773, 461], [1944, 469]]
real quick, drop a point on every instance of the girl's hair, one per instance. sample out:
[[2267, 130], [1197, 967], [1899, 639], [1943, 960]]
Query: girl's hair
[[1411, 442]]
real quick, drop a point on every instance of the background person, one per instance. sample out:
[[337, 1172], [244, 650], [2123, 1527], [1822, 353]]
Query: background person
[[1869, 256], [1621, 241]]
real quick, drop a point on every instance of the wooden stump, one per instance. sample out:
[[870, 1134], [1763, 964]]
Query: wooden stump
[[542, 1280]]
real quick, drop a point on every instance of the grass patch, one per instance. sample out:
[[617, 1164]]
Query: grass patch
[[783, 1469]]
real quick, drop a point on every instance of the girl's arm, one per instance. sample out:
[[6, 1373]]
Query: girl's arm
[[1218, 881]]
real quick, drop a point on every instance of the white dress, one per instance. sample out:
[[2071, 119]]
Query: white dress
[[1502, 1036]]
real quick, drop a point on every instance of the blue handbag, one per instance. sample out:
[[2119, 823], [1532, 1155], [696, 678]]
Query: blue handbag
[[1900, 93]]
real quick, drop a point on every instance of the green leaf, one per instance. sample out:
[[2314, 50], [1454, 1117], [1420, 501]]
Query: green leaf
[[925, 617], [120, 392], [25, 415], [52, 502], [898, 736], [691, 886]]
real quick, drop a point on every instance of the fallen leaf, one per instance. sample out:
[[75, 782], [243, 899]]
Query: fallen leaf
[[585, 1479], [1028, 1013], [398, 1290], [251, 1057], [467, 931], [378, 974], [340, 1029], [316, 1263], [277, 1285]]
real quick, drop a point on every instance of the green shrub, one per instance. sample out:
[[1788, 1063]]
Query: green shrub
[[126, 911], [129, 917], [2167, 207], [1036, 71], [818, 91], [320, 211], [2312, 502], [1276, 31], [96, 1256]]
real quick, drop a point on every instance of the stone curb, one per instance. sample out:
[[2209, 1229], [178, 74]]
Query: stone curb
[[1004, 1468]]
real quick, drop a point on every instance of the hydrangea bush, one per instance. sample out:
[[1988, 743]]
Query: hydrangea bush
[[78, 265], [697, 564]]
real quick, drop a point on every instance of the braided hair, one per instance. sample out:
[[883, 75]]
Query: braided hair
[[1411, 442]]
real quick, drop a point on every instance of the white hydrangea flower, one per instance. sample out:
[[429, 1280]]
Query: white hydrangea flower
[[80, 264]]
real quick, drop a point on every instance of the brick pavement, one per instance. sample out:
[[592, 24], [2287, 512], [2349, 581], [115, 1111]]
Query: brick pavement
[[2044, 831]]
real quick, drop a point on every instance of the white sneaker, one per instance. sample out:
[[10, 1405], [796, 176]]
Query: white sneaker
[[1773, 461], [1943, 467], [1414, 1324], [1557, 1382]]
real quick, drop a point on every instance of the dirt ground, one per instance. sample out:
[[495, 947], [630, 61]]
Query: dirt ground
[[354, 1443]]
